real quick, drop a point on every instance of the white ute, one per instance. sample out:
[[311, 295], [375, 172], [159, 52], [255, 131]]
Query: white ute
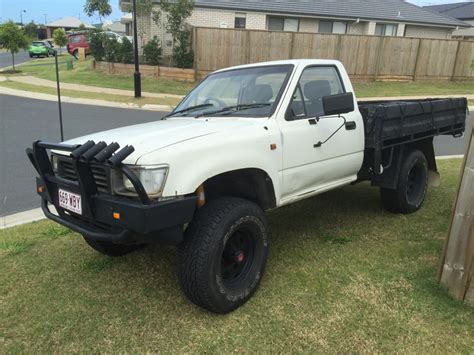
[[245, 140]]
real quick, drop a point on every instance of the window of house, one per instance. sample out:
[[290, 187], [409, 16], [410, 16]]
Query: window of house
[[315, 83], [283, 24], [240, 20], [336, 27], [386, 29]]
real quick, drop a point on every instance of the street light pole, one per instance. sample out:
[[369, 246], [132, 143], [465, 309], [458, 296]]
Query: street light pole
[[45, 19], [136, 76], [21, 17]]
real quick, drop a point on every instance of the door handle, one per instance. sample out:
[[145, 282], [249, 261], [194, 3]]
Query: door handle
[[351, 125]]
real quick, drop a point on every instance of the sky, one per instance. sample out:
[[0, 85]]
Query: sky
[[56, 9]]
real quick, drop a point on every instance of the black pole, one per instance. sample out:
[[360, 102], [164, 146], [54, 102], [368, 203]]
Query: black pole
[[59, 96], [136, 76]]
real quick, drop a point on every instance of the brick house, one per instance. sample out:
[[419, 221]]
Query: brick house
[[463, 11], [363, 17]]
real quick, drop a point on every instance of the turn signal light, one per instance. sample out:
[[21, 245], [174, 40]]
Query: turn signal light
[[116, 215]]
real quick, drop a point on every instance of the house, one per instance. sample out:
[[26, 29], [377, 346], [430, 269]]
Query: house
[[463, 11], [67, 23], [368, 17], [113, 26]]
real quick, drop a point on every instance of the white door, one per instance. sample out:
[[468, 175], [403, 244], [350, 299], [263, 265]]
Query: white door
[[308, 166]]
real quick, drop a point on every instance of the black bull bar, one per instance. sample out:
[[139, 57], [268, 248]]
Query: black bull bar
[[106, 217]]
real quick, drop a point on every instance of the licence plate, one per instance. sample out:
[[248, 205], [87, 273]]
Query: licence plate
[[70, 201]]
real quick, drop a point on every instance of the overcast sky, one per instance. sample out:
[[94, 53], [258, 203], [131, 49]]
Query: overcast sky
[[55, 9]]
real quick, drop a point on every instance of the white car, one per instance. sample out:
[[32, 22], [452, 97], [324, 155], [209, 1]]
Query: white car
[[245, 140]]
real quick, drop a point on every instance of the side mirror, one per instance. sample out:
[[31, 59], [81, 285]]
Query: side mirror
[[338, 104]]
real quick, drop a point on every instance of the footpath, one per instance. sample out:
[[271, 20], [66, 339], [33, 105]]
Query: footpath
[[30, 80]]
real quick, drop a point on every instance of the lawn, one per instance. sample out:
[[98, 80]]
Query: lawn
[[343, 276], [417, 88], [84, 74], [91, 95]]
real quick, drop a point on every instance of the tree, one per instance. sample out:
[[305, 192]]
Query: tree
[[31, 30], [102, 7], [177, 11], [60, 38], [82, 27], [13, 39], [144, 9]]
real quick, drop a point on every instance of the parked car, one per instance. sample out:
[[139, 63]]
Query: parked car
[[113, 35], [246, 140], [76, 41], [41, 49]]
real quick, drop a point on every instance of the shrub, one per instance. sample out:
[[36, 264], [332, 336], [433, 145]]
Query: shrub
[[152, 52], [126, 51], [96, 44], [112, 50]]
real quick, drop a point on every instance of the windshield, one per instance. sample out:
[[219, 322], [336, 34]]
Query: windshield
[[244, 92], [38, 44]]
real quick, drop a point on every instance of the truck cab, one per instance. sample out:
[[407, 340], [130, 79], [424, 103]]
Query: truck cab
[[246, 140]]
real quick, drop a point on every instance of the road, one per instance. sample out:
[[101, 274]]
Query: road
[[24, 120], [6, 58]]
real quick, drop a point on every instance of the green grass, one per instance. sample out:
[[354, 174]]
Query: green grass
[[343, 276], [84, 74], [90, 95], [417, 88]]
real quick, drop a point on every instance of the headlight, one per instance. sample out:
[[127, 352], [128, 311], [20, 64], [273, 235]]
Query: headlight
[[152, 178]]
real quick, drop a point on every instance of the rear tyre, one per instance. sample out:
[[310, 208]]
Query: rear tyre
[[111, 249], [410, 193], [31, 55], [224, 254], [75, 54]]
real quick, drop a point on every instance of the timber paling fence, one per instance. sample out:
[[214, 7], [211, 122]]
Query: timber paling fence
[[366, 58]]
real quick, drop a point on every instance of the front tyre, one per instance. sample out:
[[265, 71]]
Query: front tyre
[[410, 193], [223, 257], [111, 249]]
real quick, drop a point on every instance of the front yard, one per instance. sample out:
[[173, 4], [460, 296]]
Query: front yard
[[343, 276], [84, 74]]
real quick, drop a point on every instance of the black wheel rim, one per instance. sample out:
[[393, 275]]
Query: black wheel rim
[[415, 184], [238, 256]]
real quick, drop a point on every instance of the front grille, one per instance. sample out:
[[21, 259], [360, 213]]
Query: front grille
[[101, 174]]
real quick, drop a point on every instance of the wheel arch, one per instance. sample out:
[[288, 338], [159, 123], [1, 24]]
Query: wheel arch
[[250, 183]]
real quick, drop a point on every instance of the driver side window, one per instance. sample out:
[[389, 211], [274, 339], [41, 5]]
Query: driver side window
[[315, 83]]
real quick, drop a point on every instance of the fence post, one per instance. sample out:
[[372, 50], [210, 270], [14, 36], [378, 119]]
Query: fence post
[[195, 31], [292, 46], [417, 59], [456, 60], [338, 47], [249, 34], [379, 57]]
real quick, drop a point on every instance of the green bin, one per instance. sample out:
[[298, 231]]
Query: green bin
[[69, 64]]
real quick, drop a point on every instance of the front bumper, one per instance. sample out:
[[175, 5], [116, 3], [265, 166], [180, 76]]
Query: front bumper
[[106, 217]]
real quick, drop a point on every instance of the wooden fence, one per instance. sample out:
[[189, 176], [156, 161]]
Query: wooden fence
[[457, 268], [366, 58]]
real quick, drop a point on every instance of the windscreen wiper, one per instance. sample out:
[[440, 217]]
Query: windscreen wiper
[[231, 109], [192, 108]]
